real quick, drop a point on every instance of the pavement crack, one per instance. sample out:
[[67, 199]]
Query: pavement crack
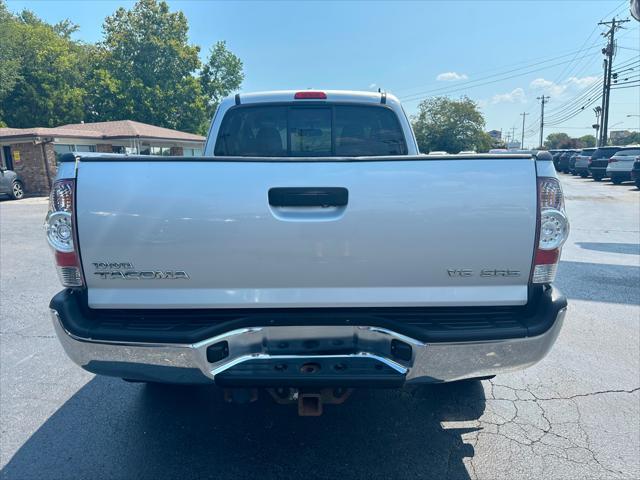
[[22, 335]]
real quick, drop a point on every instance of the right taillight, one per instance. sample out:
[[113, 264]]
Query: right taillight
[[553, 230], [61, 233], [613, 160]]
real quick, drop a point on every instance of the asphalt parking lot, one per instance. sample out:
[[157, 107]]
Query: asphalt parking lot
[[574, 415]]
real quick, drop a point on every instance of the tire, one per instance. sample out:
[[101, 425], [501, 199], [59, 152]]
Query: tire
[[638, 184], [17, 190], [584, 175], [616, 180], [597, 178]]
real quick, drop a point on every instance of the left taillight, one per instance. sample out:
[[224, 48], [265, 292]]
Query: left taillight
[[61, 233]]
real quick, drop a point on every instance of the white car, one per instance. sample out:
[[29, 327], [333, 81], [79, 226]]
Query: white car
[[620, 165]]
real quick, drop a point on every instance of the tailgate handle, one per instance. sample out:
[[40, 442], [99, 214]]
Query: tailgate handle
[[308, 197]]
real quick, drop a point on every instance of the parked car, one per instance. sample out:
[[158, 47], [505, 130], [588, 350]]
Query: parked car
[[11, 184], [620, 165], [582, 161], [600, 161], [563, 162], [635, 173], [572, 162], [555, 155], [269, 262]]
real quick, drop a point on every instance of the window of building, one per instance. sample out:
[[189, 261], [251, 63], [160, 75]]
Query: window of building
[[62, 148], [192, 152], [161, 151]]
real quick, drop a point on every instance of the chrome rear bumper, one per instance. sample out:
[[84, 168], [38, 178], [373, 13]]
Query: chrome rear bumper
[[188, 363]]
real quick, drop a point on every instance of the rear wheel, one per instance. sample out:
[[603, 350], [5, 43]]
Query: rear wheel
[[17, 190], [584, 175], [638, 183], [616, 180], [597, 178]]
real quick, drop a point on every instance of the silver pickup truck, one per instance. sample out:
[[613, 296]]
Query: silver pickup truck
[[311, 251]]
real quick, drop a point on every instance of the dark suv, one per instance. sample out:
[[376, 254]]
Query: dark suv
[[563, 161], [600, 160]]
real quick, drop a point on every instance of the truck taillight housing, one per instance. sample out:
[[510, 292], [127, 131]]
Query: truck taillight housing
[[553, 230], [61, 233]]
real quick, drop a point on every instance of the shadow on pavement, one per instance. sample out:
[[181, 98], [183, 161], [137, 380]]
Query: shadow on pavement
[[110, 429], [626, 248], [599, 282]]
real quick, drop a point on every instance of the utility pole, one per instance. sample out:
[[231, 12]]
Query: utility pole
[[523, 115], [608, 51], [543, 99]]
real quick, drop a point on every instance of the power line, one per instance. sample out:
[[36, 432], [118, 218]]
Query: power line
[[470, 84], [522, 64]]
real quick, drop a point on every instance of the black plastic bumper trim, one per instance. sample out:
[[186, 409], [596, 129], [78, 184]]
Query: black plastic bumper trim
[[427, 324]]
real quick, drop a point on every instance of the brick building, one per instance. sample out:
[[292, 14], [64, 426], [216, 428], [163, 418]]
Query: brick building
[[33, 152]]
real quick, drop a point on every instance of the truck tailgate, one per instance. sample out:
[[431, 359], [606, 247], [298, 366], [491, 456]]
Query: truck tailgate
[[209, 234]]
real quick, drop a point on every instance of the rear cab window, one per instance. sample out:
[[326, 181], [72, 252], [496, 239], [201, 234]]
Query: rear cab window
[[310, 131]]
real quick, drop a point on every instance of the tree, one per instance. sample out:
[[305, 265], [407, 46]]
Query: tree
[[629, 138], [450, 125], [562, 140], [146, 69], [42, 71], [221, 75], [587, 141], [557, 140]]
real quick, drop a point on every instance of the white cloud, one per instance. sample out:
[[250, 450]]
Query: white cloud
[[372, 86], [557, 89], [583, 82], [548, 87], [516, 95], [451, 77]]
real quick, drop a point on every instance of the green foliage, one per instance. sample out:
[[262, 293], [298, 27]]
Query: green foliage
[[145, 69], [147, 64], [587, 141], [450, 125], [632, 138], [42, 72], [221, 75], [562, 140], [557, 140]]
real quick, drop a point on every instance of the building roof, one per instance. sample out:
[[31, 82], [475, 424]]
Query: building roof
[[103, 130]]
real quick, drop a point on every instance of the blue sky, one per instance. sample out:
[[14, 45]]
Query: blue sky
[[414, 49]]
